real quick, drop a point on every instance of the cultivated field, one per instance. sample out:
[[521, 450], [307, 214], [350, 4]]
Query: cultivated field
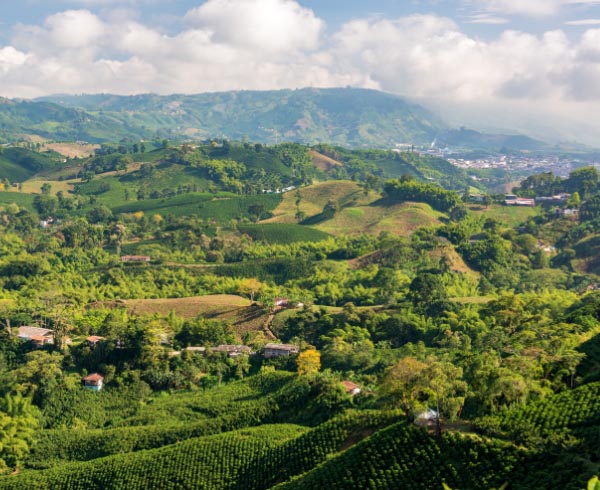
[[235, 310], [399, 219], [72, 150]]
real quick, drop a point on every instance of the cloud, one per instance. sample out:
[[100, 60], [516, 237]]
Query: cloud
[[226, 44], [534, 8], [528, 8], [429, 56], [583, 22], [272, 44], [270, 25], [486, 19]]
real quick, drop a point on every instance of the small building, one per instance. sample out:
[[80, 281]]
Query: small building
[[477, 198], [351, 388], [200, 350], [280, 350], [281, 302], [428, 418], [520, 201], [94, 340], [233, 350], [286, 303], [136, 258], [36, 335], [93, 381]]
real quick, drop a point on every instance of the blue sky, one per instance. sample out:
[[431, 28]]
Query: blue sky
[[466, 58], [334, 12]]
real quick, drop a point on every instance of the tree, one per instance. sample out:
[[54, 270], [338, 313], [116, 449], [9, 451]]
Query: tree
[[250, 287], [402, 384], [575, 200], [309, 362], [256, 211], [447, 389], [46, 188], [18, 422], [458, 213], [45, 205], [330, 209]]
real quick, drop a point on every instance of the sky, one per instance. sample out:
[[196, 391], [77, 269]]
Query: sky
[[530, 64]]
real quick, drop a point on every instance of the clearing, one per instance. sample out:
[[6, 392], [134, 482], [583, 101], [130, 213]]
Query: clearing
[[323, 162], [235, 310], [400, 219]]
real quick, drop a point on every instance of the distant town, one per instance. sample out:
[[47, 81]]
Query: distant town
[[558, 164]]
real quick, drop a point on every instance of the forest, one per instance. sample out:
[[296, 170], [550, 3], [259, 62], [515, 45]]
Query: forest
[[230, 315]]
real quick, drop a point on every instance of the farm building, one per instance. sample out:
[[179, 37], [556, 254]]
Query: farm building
[[136, 258], [512, 200], [94, 340], [351, 388], [39, 336], [93, 381], [233, 350], [279, 350]]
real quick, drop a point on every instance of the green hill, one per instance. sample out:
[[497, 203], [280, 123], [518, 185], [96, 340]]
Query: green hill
[[19, 164], [468, 138], [53, 121], [349, 117]]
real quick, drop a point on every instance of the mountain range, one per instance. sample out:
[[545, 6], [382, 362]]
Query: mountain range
[[356, 118]]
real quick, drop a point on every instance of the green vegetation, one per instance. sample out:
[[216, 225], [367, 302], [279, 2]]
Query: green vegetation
[[169, 270], [350, 117], [282, 233]]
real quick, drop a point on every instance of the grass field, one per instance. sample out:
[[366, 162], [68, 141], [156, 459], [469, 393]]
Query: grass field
[[19, 198], [235, 310], [283, 233], [34, 186], [222, 207], [400, 219], [323, 162], [509, 215], [72, 150], [313, 199]]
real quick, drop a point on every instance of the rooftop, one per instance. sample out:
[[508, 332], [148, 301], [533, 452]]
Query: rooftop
[[281, 346], [30, 332]]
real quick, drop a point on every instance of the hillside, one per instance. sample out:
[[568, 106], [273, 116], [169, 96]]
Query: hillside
[[19, 118], [468, 138], [349, 117]]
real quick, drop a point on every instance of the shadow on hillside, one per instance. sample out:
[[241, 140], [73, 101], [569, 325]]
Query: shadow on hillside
[[384, 202], [589, 368], [316, 219]]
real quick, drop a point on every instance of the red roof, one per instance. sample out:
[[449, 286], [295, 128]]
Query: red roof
[[350, 386], [94, 377], [94, 339]]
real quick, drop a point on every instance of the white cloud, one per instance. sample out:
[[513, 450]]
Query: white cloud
[[271, 44], [486, 19], [270, 25], [531, 8], [583, 22], [520, 7]]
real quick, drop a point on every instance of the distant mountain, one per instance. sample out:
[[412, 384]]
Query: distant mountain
[[474, 140], [54, 121], [346, 117]]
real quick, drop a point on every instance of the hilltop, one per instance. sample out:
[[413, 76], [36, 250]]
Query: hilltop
[[349, 117]]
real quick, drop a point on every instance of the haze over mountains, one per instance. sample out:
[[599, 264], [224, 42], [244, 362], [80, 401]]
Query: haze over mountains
[[341, 116]]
